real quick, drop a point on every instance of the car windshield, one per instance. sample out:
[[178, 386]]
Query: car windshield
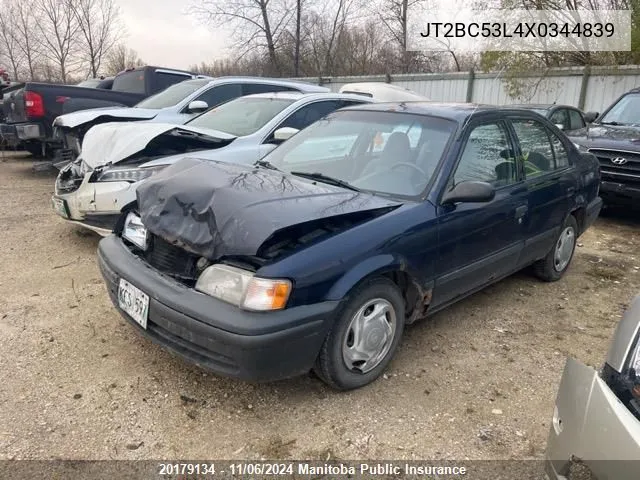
[[385, 152], [242, 116], [172, 95], [625, 112], [540, 111], [90, 83]]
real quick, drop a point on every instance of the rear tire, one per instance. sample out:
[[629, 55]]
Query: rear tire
[[364, 337], [552, 267]]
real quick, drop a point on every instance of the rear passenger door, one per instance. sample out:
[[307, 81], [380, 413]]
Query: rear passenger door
[[550, 182], [481, 242]]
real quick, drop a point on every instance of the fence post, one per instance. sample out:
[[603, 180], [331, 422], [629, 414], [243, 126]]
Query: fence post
[[472, 77], [586, 73]]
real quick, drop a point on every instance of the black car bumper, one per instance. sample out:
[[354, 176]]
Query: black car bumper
[[620, 193], [255, 346]]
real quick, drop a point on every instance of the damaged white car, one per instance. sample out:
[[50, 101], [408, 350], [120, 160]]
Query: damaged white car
[[116, 157]]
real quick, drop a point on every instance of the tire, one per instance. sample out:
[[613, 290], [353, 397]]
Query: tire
[[338, 364], [552, 267]]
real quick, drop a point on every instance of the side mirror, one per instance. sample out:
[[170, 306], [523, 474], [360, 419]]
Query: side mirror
[[197, 106], [284, 133], [590, 117], [560, 126], [470, 192]]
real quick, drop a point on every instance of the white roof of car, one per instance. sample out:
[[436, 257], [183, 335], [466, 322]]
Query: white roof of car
[[383, 92]]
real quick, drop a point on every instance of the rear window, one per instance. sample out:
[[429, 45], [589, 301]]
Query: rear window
[[130, 82], [172, 95], [163, 80]]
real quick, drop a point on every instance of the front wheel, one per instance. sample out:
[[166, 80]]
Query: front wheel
[[364, 337], [555, 264]]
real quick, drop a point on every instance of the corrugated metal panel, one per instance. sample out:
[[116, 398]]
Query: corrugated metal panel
[[562, 85], [602, 91]]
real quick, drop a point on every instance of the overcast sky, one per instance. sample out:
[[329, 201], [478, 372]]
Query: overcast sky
[[163, 35]]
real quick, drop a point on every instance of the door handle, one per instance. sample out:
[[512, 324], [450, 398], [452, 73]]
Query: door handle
[[521, 211]]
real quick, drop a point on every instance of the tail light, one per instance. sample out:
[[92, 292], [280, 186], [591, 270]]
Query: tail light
[[33, 104]]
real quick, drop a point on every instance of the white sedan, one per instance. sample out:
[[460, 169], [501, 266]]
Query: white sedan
[[116, 157]]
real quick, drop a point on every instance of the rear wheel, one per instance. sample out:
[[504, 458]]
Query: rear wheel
[[365, 336], [555, 264]]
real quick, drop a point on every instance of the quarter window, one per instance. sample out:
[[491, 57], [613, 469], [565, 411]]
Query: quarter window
[[487, 157]]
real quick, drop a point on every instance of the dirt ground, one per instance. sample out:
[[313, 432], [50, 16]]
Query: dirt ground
[[476, 381]]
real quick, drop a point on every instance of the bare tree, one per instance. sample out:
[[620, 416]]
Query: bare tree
[[26, 17], [258, 23], [120, 57], [58, 33], [99, 26], [10, 47]]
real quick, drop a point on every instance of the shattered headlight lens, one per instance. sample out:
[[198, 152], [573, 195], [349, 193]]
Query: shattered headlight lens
[[131, 175], [135, 231], [241, 288]]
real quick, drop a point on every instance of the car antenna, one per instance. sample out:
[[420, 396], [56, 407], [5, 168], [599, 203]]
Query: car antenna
[[477, 104]]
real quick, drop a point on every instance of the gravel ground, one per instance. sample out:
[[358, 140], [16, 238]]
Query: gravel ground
[[476, 381]]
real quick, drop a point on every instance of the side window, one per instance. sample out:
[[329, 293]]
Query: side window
[[537, 150], [220, 94], [575, 120], [559, 151], [560, 117], [251, 88], [487, 157], [305, 116]]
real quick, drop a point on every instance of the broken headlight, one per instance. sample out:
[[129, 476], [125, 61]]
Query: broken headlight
[[241, 288], [131, 175], [135, 231]]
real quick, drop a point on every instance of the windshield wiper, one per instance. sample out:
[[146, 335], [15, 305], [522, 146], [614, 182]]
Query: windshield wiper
[[326, 179], [266, 164], [614, 123]]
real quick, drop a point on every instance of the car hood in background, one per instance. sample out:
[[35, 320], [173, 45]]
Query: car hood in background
[[608, 137], [74, 119], [214, 209], [110, 143]]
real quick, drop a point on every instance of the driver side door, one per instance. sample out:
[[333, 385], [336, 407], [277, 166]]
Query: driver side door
[[479, 243]]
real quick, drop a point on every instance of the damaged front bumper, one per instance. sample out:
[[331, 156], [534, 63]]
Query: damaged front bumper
[[93, 205], [254, 346], [591, 426]]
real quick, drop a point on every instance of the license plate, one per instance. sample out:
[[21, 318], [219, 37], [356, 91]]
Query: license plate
[[60, 207], [134, 302]]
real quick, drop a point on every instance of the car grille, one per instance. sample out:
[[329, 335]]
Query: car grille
[[171, 260], [629, 172]]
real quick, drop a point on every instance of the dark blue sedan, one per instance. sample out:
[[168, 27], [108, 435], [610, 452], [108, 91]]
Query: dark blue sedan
[[372, 218]]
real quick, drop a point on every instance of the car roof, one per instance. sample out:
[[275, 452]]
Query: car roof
[[382, 91], [295, 96], [454, 111], [542, 106], [302, 86]]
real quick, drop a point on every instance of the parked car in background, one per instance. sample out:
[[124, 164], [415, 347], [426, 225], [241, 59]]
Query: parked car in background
[[383, 92], [614, 137], [369, 219], [565, 117], [596, 419], [31, 110], [177, 104], [116, 157], [104, 83]]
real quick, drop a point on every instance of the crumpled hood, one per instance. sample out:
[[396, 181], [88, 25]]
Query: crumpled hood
[[73, 119], [214, 209], [110, 143], [608, 137]]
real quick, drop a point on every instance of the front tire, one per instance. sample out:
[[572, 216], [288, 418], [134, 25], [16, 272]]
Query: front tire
[[552, 267], [364, 337]]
